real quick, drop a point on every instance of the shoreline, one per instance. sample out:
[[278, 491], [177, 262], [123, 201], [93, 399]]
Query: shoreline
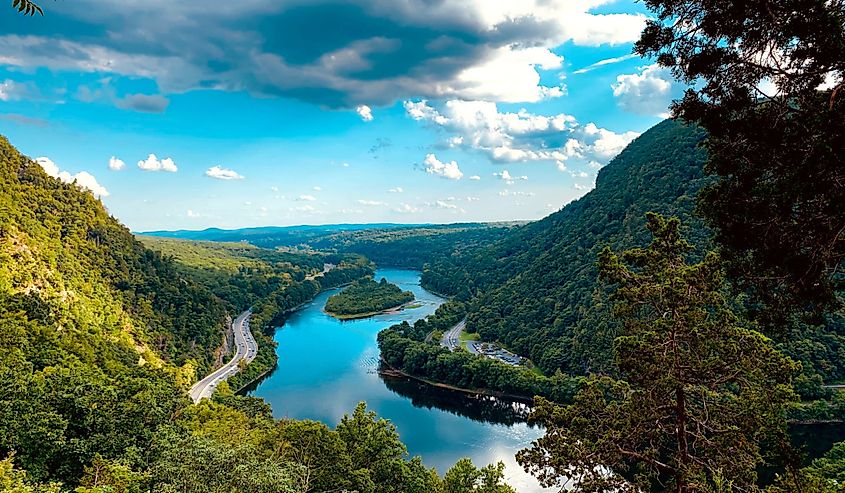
[[386, 311], [396, 373]]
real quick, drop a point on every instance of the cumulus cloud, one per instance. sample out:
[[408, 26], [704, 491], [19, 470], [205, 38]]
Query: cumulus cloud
[[508, 178], [192, 214], [221, 173], [364, 112], [317, 188], [83, 179], [146, 103], [404, 208], [306, 198], [153, 163], [520, 136], [475, 177], [648, 92], [448, 170], [116, 164], [396, 190], [295, 49]]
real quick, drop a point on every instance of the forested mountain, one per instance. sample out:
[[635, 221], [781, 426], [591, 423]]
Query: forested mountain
[[395, 245], [97, 333], [100, 338], [535, 289]]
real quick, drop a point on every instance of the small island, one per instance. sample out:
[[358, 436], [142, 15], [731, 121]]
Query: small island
[[366, 297]]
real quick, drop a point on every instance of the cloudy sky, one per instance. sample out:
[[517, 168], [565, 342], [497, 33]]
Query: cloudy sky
[[267, 112]]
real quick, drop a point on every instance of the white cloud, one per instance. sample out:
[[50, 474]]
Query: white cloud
[[448, 170], [11, 90], [371, 203], [508, 178], [191, 214], [365, 112], [220, 173], [648, 92], [475, 177], [579, 174], [406, 209], [304, 208], [317, 188], [508, 193], [274, 189], [444, 205], [344, 165], [152, 163], [116, 164], [472, 199], [520, 136], [468, 45], [396, 190], [306, 198], [83, 179], [580, 187]]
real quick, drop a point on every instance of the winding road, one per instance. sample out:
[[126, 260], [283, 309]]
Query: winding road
[[245, 350], [452, 337]]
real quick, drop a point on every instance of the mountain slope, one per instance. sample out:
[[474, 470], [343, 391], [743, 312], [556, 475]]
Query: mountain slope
[[534, 290], [93, 327]]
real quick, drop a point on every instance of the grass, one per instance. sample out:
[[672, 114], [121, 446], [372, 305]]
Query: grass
[[465, 336]]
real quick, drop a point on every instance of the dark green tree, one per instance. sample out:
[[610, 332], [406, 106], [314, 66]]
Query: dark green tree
[[766, 83], [27, 7], [700, 391]]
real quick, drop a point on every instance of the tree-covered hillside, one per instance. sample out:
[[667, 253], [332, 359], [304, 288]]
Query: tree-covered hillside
[[98, 335], [535, 289], [100, 338]]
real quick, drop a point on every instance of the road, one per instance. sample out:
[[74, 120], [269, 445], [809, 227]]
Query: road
[[245, 349], [452, 337], [326, 268]]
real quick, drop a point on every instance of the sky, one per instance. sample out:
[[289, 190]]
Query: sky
[[180, 115]]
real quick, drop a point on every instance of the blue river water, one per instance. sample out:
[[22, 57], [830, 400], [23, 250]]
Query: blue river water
[[326, 366]]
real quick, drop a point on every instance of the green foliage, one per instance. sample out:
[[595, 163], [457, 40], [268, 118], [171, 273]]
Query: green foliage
[[402, 347], [99, 338], [27, 7], [776, 136], [700, 393], [464, 477], [367, 296], [535, 289], [824, 475]]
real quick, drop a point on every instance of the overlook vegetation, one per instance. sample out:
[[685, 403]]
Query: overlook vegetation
[[366, 296]]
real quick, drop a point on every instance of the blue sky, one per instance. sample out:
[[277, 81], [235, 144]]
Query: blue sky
[[310, 112]]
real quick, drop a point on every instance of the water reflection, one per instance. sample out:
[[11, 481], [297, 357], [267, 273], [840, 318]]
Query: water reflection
[[486, 409]]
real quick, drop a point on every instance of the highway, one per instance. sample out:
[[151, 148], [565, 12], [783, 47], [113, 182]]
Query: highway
[[452, 337], [245, 349]]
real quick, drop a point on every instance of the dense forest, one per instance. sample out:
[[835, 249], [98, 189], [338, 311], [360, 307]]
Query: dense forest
[[100, 339], [366, 296], [536, 290], [394, 245]]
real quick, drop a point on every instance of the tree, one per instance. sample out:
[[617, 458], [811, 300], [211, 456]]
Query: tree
[[766, 83], [464, 477], [700, 392], [27, 7]]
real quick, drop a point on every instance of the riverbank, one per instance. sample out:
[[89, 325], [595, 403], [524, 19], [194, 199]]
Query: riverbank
[[393, 310], [395, 372]]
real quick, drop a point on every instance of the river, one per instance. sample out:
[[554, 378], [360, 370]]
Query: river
[[326, 366]]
